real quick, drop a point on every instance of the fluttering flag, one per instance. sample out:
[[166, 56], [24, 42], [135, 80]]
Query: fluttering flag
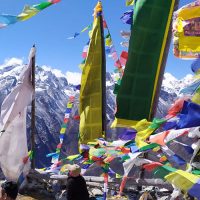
[[13, 139], [176, 107], [125, 44], [196, 96], [195, 66], [28, 12], [129, 2], [125, 34], [152, 166], [123, 57], [85, 51], [108, 41], [128, 134], [127, 17], [189, 116], [110, 49], [182, 180], [191, 89]]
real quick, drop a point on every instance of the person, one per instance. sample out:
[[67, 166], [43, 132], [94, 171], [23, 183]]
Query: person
[[76, 187], [9, 190]]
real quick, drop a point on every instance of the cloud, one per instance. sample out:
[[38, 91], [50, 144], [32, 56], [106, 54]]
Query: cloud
[[11, 62]]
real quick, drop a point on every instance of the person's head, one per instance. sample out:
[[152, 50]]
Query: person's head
[[9, 191], [74, 170]]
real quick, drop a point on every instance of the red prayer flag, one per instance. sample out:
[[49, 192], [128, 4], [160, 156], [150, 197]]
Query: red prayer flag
[[84, 54], [123, 57], [59, 146], [104, 24], [76, 117], [152, 166], [66, 120], [118, 64]]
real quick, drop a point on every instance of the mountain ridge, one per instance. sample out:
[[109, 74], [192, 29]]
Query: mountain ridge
[[53, 89]]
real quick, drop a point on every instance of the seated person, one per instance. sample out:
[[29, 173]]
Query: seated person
[[76, 186]]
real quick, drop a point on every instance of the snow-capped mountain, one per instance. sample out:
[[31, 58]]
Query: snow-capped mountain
[[53, 89]]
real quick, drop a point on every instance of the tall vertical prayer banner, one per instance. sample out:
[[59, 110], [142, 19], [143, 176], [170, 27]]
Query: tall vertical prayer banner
[[91, 107], [144, 68]]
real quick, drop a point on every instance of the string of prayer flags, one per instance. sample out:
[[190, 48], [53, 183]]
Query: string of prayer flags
[[77, 34], [84, 55], [28, 12], [55, 156], [112, 53], [125, 35]]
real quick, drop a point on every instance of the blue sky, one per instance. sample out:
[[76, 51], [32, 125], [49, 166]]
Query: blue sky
[[51, 27]]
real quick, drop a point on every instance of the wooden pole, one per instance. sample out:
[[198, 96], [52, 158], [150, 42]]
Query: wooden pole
[[103, 78], [33, 114]]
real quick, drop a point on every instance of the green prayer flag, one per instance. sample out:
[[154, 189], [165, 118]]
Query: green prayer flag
[[138, 90]]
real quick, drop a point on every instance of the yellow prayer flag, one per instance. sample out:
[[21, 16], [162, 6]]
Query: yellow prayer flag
[[182, 180], [108, 42], [27, 13], [118, 176], [196, 97], [91, 88], [63, 130], [129, 2], [69, 105]]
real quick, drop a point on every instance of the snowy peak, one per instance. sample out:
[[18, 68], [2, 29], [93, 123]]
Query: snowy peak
[[171, 84]]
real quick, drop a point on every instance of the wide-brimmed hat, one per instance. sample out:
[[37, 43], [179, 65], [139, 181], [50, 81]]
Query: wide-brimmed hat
[[74, 170]]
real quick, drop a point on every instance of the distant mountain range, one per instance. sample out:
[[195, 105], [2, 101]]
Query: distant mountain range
[[52, 92]]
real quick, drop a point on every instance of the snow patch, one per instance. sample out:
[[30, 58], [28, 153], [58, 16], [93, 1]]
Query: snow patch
[[58, 73], [73, 78]]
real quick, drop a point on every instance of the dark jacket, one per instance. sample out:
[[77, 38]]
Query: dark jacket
[[77, 188]]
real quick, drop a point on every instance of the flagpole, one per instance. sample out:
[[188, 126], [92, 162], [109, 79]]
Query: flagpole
[[103, 77], [33, 114]]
